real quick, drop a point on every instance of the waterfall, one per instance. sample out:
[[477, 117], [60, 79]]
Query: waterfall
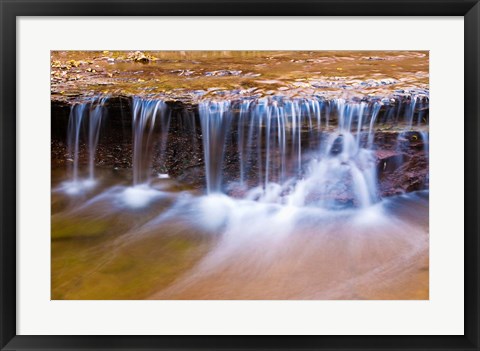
[[97, 112], [296, 151], [244, 114], [281, 133], [82, 116], [411, 111], [215, 118], [75, 119], [148, 116], [426, 146], [371, 131]]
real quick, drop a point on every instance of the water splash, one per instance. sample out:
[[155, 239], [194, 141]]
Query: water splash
[[138, 196]]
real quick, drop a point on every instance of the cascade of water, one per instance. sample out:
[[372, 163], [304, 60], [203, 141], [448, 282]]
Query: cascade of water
[[421, 112], [297, 133], [145, 114], [426, 147], [282, 131], [425, 139], [215, 118], [294, 151], [97, 113], [244, 109], [373, 118], [411, 111], [75, 119], [361, 111], [90, 114], [415, 101]]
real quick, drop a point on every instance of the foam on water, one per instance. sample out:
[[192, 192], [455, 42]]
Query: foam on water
[[77, 187], [139, 196]]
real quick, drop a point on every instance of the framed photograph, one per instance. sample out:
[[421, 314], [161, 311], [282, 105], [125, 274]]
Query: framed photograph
[[239, 175]]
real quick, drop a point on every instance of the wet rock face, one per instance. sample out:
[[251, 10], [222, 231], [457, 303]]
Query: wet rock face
[[402, 163], [401, 157]]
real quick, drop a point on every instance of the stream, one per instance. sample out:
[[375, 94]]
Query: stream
[[283, 198]]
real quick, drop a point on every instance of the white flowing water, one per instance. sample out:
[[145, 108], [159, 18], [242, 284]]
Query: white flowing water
[[84, 116], [215, 120], [97, 113], [75, 120], [147, 116], [307, 221], [290, 151], [275, 135], [150, 125]]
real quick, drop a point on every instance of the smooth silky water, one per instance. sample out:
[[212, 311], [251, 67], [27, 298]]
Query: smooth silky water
[[302, 219]]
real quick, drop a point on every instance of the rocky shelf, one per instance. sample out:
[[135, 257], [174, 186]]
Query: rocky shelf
[[193, 76]]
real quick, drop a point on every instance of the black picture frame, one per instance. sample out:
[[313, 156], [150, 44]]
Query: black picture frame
[[10, 10]]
